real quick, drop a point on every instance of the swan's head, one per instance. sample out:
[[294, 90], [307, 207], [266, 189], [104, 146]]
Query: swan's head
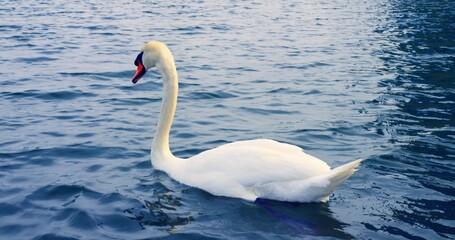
[[151, 54]]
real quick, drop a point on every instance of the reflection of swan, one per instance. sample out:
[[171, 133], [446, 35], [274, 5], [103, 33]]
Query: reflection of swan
[[306, 219], [251, 169]]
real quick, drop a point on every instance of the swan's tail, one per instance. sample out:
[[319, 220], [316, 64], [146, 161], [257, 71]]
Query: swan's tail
[[339, 175], [314, 189]]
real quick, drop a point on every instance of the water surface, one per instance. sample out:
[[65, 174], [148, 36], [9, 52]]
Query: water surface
[[341, 79]]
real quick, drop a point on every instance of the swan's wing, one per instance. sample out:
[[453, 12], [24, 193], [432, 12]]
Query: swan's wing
[[312, 189], [247, 164]]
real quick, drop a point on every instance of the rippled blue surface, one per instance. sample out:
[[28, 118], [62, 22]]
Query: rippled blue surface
[[343, 79]]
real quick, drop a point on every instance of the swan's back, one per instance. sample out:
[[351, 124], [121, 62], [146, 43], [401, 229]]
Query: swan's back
[[249, 164]]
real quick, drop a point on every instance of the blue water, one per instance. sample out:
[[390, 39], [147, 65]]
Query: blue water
[[341, 79]]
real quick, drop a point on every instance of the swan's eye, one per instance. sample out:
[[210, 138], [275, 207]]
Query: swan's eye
[[138, 59]]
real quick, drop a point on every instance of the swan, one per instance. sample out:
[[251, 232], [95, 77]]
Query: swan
[[250, 170]]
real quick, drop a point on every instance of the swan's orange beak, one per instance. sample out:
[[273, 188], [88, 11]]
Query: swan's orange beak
[[140, 68]]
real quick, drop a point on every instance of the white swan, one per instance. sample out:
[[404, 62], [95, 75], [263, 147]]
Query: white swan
[[249, 170]]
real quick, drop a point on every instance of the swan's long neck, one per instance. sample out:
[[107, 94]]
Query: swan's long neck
[[162, 157]]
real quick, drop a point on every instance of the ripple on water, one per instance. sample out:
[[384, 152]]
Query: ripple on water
[[373, 80], [220, 94], [100, 75], [268, 112], [54, 236], [36, 60], [9, 209], [76, 218], [62, 193], [162, 212], [50, 96]]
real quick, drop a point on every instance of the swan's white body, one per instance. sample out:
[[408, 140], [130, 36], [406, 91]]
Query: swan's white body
[[249, 170]]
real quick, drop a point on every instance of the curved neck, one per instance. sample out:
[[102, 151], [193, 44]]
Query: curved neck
[[161, 154]]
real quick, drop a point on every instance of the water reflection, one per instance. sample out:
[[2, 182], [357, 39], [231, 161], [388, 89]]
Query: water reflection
[[421, 54], [173, 207], [306, 219]]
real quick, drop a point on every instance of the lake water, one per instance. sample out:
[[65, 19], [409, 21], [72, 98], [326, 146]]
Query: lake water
[[343, 79]]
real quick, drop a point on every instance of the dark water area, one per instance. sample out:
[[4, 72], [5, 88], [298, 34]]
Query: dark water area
[[341, 79]]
